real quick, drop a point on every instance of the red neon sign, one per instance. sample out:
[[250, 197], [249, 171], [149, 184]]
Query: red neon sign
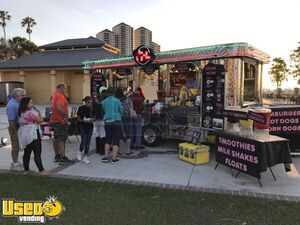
[[143, 55]]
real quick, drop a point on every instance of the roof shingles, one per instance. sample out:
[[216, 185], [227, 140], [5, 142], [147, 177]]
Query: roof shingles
[[62, 58], [69, 43]]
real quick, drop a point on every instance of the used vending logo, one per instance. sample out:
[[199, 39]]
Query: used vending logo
[[32, 211]]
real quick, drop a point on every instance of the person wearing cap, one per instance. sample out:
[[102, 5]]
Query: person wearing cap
[[85, 119]]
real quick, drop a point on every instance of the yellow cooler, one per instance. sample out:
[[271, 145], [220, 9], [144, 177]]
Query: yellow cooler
[[195, 154]]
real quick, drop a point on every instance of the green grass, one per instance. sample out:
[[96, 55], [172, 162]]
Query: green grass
[[103, 203]]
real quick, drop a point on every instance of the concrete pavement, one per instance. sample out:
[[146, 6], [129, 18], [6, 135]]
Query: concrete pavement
[[161, 165]]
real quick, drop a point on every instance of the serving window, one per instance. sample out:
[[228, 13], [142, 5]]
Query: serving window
[[250, 80]]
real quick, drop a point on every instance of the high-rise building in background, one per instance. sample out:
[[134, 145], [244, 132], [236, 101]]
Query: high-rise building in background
[[142, 36], [107, 36], [155, 47], [124, 37]]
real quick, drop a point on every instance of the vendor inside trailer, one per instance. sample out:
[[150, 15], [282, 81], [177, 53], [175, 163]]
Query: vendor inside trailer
[[173, 86]]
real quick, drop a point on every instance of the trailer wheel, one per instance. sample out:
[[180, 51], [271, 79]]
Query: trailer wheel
[[151, 135]]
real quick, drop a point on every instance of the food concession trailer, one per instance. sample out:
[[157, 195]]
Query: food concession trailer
[[222, 76]]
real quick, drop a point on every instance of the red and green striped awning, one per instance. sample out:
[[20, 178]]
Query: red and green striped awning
[[189, 54]]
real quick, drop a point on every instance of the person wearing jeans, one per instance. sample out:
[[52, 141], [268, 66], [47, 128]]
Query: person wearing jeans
[[85, 119], [138, 131], [138, 99]]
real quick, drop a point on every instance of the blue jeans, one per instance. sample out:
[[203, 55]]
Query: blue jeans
[[86, 136], [138, 131]]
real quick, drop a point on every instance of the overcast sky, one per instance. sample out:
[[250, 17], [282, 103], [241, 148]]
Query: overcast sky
[[270, 25]]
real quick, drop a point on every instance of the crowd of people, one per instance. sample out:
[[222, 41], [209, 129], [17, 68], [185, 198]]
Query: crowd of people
[[115, 115]]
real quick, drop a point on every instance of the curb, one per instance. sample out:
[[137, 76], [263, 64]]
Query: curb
[[173, 187]]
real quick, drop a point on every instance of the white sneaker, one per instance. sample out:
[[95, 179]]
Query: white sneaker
[[17, 167], [86, 160], [19, 164], [79, 155]]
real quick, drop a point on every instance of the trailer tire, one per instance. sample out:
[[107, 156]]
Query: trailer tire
[[151, 135]]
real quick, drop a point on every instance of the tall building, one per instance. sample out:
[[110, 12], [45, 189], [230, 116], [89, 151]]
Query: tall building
[[124, 38], [155, 47], [107, 36], [142, 36]]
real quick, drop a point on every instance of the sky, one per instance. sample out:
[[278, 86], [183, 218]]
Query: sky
[[270, 25]]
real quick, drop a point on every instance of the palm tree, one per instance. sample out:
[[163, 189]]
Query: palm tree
[[29, 23], [4, 17]]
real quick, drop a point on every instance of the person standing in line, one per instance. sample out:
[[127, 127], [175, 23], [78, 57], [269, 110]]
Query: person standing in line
[[29, 134], [112, 117], [99, 123], [59, 122], [138, 99], [86, 126], [126, 118], [13, 126]]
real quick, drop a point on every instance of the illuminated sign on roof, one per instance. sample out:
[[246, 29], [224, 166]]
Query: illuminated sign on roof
[[143, 55]]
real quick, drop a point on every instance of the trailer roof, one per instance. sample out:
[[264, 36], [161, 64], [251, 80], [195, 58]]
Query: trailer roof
[[190, 54]]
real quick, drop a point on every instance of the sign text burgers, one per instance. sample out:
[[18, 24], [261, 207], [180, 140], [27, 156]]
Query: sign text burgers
[[285, 120]]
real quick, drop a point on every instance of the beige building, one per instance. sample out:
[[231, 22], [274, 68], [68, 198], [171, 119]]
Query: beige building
[[155, 47], [108, 37], [59, 62], [124, 38], [142, 36]]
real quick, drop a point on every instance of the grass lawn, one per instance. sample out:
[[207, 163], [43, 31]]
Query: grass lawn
[[103, 203]]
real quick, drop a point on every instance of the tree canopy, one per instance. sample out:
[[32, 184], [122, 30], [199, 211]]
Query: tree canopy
[[295, 62], [278, 71], [16, 47]]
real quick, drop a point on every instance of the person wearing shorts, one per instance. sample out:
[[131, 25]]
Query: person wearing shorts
[[13, 126], [112, 108], [59, 122]]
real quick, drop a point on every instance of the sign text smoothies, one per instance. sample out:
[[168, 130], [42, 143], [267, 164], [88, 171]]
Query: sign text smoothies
[[238, 153]]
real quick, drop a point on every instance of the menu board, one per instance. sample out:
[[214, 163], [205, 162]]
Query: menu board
[[213, 92], [124, 71], [285, 120], [97, 80], [184, 68]]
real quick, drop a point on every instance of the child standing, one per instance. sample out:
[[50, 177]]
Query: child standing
[[85, 119]]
